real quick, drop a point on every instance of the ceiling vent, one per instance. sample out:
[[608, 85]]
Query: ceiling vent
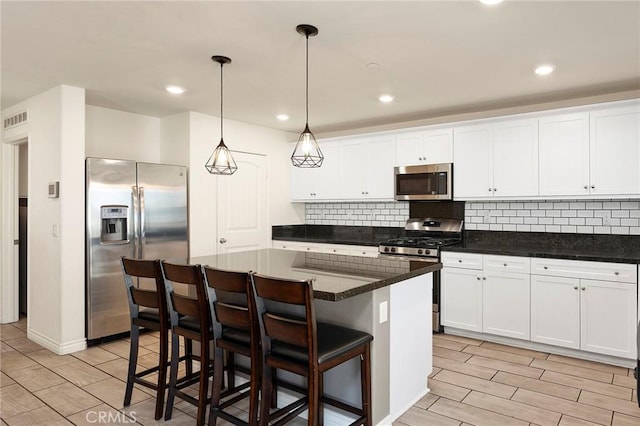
[[15, 120]]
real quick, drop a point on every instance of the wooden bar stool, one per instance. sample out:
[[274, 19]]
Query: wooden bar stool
[[190, 317], [148, 309], [235, 330], [302, 346]]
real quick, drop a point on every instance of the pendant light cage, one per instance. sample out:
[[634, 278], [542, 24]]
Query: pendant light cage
[[307, 153], [221, 161]]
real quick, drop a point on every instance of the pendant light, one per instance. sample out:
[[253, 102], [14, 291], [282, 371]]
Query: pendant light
[[307, 151], [221, 161]]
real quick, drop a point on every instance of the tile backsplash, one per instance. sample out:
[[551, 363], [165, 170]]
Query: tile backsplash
[[392, 213], [570, 216]]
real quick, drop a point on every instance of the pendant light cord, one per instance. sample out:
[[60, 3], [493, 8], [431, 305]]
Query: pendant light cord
[[307, 81], [221, 102]]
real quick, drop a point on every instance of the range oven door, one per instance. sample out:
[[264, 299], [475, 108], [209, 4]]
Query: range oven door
[[425, 182]]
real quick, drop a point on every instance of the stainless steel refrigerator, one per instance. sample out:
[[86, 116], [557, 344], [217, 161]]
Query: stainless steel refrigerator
[[132, 209]]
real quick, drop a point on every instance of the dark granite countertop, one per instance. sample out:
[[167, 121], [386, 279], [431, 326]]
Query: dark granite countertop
[[335, 277], [591, 247], [336, 234]]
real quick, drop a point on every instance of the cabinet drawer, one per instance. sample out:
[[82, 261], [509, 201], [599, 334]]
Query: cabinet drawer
[[336, 249], [364, 251], [603, 271], [461, 260], [507, 264], [285, 245]]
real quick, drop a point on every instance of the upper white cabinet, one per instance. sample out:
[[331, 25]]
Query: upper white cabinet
[[564, 154], [315, 184], [615, 150], [425, 147], [366, 168], [498, 159]]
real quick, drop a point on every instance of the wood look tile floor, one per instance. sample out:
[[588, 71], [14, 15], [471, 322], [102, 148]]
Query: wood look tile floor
[[473, 383]]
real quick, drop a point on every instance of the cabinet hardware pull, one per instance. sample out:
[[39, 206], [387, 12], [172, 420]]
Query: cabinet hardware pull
[[504, 264], [478, 278], [494, 190], [586, 187], [584, 288], [484, 278], [545, 267], [489, 189], [593, 187], [459, 260], [575, 287], [616, 273]]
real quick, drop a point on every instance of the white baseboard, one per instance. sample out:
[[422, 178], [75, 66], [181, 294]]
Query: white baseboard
[[392, 417], [575, 353], [56, 347]]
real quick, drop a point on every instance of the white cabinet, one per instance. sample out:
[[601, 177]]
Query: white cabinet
[[486, 293], [318, 183], [366, 168], [570, 309], [564, 155], [615, 150], [425, 147], [498, 159], [343, 249]]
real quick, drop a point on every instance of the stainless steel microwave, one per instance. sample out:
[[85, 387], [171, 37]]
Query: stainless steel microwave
[[424, 182]]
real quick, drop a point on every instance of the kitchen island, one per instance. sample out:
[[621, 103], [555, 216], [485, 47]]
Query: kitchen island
[[388, 298]]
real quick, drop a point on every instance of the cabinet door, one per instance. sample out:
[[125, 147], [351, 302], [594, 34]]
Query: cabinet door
[[555, 311], [352, 174], [438, 146], [380, 157], [515, 158], [563, 144], [316, 184], [461, 299], [609, 318], [506, 304], [409, 149], [615, 151], [473, 165]]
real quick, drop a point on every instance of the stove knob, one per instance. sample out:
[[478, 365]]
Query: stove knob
[[419, 251], [393, 249], [386, 249]]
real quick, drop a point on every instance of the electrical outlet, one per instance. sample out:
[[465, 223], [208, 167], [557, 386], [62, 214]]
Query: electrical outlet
[[606, 218]]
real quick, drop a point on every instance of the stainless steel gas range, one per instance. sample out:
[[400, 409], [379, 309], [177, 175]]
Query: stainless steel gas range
[[421, 243]]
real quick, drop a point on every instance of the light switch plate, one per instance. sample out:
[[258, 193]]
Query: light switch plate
[[383, 312]]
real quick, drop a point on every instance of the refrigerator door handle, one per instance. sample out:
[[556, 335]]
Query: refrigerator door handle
[[142, 227], [136, 224]]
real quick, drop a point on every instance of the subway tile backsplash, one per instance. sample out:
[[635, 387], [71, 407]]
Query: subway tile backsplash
[[393, 213], [569, 216]]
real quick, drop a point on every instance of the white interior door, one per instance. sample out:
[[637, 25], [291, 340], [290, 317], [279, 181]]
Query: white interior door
[[242, 205]]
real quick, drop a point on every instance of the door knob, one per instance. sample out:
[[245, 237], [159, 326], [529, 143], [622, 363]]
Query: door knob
[[223, 240]]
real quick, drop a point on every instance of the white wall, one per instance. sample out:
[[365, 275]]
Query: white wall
[[56, 262], [174, 139], [122, 135]]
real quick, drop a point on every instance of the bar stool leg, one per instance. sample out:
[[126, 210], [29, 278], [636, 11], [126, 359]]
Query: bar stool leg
[[365, 382], [218, 384], [266, 390], [312, 386], [133, 362], [188, 352], [203, 387], [320, 393], [162, 373], [231, 370], [173, 374]]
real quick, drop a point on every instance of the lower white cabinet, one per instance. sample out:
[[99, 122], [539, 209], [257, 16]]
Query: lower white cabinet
[[505, 304], [344, 249], [594, 316], [461, 298]]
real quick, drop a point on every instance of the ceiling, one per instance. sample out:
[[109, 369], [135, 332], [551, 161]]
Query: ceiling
[[436, 57]]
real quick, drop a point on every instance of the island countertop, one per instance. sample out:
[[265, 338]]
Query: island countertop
[[335, 277]]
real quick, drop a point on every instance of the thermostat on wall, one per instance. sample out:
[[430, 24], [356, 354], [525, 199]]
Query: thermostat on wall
[[53, 189]]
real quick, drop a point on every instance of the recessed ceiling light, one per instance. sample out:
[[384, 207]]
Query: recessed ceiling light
[[175, 90], [545, 69], [282, 117], [491, 2], [385, 98]]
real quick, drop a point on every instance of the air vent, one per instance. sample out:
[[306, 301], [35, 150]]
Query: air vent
[[15, 120]]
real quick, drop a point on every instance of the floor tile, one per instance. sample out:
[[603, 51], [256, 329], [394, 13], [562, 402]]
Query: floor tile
[[112, 390], [448, 344], [24, 345], [592, 385], [5, 380], [501, 355], [117, 368], [624, 420], [514, 350], [589, 364], [434, 371], [474, 383], [473, 415], [553, 389], [95, 355], [603, 401], [12, 361], [67, 399], [461, 339], [144, 413], [426, 401], [510, 408], [572, 421], [559, 405], [5, 348], [626, 381], [121, 348], [449, 354], [417, 416], [8, 332], [80, 373], [14, 400], [464, 368], [447, 390], [39, 416], [50, 359], [36, 378], [101, 414], [573, 370], [519, 369]]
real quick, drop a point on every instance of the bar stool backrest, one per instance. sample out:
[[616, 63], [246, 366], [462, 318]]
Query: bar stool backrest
[[182, 304], [229, 311], [156, 299], [274, 318]]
